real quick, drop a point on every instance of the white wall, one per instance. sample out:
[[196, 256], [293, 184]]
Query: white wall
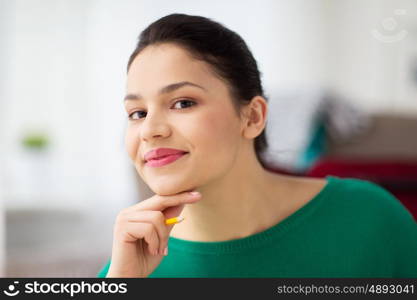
[[4, 53], [374, 74], [52, 86]]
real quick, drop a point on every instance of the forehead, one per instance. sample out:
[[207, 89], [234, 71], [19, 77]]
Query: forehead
[[166, 63]]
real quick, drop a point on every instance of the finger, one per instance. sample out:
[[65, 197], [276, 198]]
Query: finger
[[162, 202], [173, 211], [157, 219], [144, 231]]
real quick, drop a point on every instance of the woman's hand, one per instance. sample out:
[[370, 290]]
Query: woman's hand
[[140, 234]]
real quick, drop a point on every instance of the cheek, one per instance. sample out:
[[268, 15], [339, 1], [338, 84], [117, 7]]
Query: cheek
[[131, 143], [217, 136]]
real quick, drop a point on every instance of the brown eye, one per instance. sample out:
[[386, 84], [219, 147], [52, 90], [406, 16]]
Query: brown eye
[[138, 111], [188, 103]]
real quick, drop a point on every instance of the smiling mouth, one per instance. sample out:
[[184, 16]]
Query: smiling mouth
[[164, 160], [165, 156]]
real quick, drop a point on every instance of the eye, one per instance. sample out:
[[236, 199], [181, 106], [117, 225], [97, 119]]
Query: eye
[[138, 111], [188, 103]]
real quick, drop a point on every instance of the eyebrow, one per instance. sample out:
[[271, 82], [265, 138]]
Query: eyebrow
[[166, 89]]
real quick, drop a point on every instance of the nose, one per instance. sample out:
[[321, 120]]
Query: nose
[[154, 126]]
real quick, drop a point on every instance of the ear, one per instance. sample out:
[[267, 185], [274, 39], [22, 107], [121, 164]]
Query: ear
[[254, 117]]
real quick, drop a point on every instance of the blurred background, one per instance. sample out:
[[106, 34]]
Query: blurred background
[[340, 77]]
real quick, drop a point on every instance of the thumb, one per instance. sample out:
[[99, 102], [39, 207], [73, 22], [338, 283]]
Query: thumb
[[173, 211]]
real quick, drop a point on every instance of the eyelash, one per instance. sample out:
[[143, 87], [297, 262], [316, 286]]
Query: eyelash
[[181, 100]]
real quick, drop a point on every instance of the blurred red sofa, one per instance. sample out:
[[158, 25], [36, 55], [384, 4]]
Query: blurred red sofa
[[400, 178]]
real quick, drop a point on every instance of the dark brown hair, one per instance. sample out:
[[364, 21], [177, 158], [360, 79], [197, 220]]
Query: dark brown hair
[[224, 50]]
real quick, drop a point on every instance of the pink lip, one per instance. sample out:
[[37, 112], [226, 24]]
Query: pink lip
[[164, 160], [158, 153]]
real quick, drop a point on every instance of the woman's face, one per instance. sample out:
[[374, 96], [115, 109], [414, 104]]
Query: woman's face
[[198, 118]]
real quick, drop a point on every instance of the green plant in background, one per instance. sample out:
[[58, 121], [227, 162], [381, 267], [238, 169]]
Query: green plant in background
[[35, 141]]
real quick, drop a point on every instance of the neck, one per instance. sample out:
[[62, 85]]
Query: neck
[[233, 206]]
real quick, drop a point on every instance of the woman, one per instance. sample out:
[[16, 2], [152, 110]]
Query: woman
[[241, 220]]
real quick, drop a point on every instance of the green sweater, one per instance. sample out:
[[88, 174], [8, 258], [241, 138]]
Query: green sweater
[[352, 228]]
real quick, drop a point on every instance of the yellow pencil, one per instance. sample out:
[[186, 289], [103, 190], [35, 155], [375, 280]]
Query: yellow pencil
[[174, 220]]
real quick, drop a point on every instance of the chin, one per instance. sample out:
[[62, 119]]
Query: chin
[[166, 189]]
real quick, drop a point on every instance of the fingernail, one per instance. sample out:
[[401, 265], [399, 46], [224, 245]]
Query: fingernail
[[195, 194], [166, 251]]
